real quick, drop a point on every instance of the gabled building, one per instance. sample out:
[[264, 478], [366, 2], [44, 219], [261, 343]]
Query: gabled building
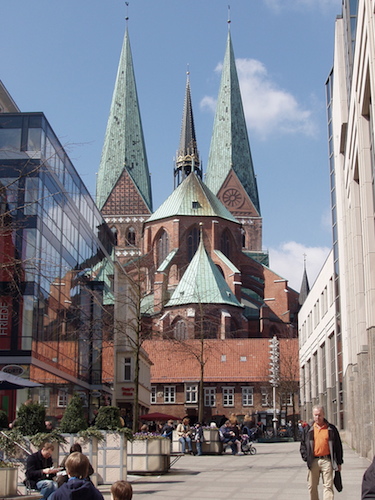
[[201, 268]]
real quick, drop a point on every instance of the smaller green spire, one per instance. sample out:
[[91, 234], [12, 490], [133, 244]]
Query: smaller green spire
[[187, 155]]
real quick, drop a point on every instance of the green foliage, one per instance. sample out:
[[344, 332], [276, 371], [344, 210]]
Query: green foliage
[[39, 439], [74, 418], [3, 420], [8, 440], [108, 418], [31, 419], [91, 432]]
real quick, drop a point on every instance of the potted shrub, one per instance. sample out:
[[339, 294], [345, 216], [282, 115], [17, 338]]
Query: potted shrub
[[8, 479], [148, 453], [114, 446]]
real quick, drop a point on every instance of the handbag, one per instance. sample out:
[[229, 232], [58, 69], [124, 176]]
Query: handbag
[[337, 481]]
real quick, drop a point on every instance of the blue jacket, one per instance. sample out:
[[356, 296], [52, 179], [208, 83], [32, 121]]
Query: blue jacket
[[77, 489]]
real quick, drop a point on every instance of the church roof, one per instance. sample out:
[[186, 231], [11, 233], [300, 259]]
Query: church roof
[[192, 197], [230, 147], [202, 283], [124, 147], [305, 287]]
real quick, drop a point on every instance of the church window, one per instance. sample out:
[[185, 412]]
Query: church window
[[163, 247], [225, 244], [114, 232], [193, 242], [180, 330], [130, 236]]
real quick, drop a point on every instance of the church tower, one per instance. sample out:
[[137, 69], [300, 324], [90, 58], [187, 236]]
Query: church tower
[[123, 190], [187, 155], [230, 172]]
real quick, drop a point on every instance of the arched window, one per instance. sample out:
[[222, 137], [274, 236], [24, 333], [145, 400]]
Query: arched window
[[130, 236], [180, 330], [163, 247], [243, 234], [193, 242], [114, 232], [225, 243]]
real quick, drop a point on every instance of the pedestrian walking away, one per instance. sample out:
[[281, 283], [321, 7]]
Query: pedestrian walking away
[[321, 449]]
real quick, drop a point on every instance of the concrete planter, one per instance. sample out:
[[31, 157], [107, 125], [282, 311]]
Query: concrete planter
[[149, 455], [211, 445], [108, 457], [89, 448], [8, 481]]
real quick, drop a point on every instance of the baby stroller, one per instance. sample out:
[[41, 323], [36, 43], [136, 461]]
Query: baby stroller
[[247, 445]]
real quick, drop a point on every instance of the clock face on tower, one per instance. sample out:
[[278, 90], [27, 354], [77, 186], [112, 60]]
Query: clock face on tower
[[232, 197]]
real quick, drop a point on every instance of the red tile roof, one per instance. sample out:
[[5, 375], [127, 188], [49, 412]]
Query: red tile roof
[[229, 360]]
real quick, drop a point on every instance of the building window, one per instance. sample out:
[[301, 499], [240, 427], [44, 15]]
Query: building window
[[228, 396], [130, 237], [44, 395], [210, 396], [191, 393], [180, 330], [62, 398], [169, 394], [193, 242], [127, 369], [163, 247], [225, 244], [153, 395], [247, 396], [287, 399], [265, 396]]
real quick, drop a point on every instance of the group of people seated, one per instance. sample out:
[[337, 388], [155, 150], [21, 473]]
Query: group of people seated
[[70, 481]]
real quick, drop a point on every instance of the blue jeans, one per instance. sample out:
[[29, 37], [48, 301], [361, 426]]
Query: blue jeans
[[199, 448], [183, 441], [46, 487]]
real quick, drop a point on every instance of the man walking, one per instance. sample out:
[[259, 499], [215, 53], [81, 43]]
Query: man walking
[[321, 448]]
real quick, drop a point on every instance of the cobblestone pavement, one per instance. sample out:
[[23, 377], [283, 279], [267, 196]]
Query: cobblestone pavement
[[276, 472]]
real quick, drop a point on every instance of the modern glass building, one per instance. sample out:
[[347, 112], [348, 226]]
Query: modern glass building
[[56, 272]]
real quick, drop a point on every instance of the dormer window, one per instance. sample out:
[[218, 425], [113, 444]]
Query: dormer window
[[195, 205]]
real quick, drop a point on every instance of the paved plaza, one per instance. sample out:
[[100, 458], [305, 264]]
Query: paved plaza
[[277, 472]]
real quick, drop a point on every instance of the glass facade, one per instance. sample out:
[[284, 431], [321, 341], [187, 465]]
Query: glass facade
[[56, 271]]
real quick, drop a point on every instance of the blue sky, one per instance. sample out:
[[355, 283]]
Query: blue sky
[[61, 58]]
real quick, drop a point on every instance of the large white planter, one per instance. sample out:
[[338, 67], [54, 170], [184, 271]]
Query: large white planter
[[89, 448], [149, 455], [211, 445], [107, 457], [8, 481]]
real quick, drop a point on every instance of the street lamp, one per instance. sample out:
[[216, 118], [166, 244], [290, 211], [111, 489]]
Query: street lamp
[[274, 376]]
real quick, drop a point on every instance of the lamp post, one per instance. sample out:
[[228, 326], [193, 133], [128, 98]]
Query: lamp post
[[274, 375]]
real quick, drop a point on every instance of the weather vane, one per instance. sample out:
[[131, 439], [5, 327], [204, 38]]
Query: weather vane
[[229, 21], [127, 11]]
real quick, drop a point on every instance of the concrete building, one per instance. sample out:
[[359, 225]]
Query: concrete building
[[350, 105]]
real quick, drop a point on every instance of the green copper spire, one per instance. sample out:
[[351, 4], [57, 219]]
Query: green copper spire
[[124, 147], [230, 146]]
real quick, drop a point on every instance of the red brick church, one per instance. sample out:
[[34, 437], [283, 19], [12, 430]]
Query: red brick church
[[209, 300]]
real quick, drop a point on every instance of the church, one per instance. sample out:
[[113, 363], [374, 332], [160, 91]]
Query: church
[[209, 302]]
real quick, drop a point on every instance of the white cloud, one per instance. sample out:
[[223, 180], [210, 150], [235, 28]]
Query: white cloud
[[267, 108], [287, 261]]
